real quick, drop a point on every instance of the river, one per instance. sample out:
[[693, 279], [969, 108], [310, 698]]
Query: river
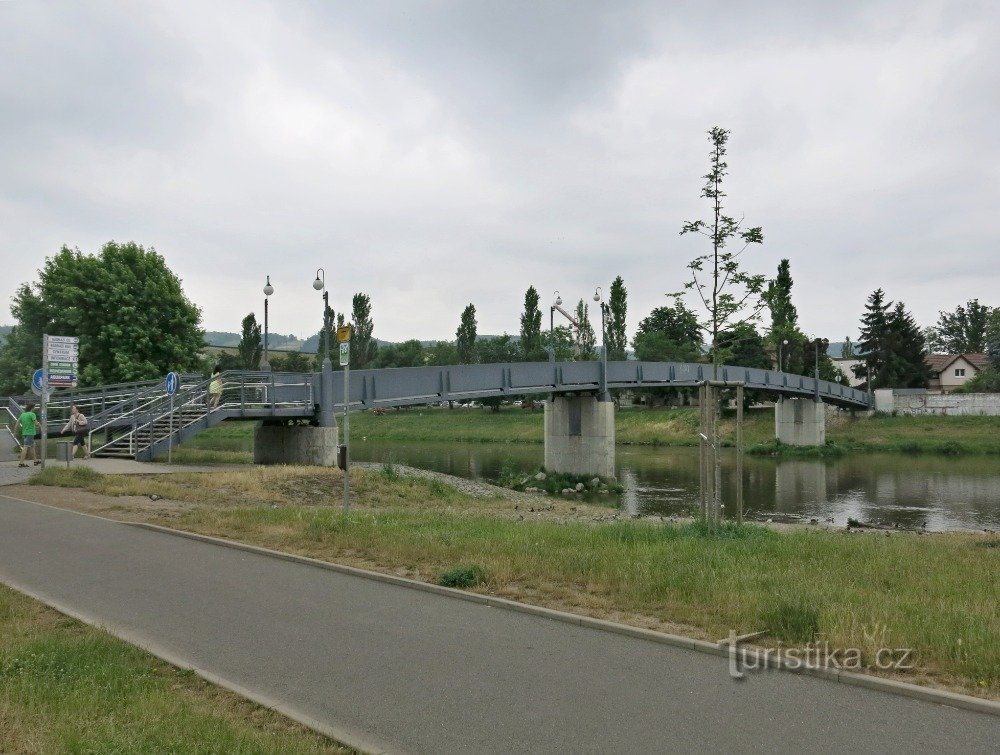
[[936, 493]]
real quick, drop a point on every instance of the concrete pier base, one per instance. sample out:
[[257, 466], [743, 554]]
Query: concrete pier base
[[800, 422], [580, 436], [295, 444]]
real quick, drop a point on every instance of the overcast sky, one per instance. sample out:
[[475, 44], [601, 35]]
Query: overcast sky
[[440, 153]]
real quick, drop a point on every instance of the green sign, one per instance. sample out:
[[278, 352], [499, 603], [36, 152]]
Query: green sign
[[345, 354]]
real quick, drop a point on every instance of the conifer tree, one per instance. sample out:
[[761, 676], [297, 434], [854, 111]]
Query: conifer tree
[[618, 309]]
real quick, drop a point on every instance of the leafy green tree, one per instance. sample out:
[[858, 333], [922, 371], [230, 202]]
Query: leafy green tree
[[251, 345], [993, 339], [985, 381], [964, 330], [498, 350], [669, 334], [363, 346], [327, 343], [586, 339], [562, 341], [293, 361], [407, 354], [465, 336], [933, 341], [730, 295], [785, 338], [442, 353], [618, 309], [128, 309], [531, 328]]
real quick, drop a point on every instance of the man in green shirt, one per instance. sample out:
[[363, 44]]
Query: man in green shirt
[[27, 424]]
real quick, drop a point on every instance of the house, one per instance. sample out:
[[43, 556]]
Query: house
[[949, 371]]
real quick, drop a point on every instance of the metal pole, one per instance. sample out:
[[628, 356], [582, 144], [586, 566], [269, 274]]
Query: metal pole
[[716, 462], [739, 454], [267, 364], [347, 438], [817, 369], [326, 322], [552, 342], [170, 437], [45, 398]]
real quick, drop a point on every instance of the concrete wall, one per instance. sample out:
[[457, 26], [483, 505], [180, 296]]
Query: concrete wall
[[295, 444], [947, 404], [580, 436], [800, 422]]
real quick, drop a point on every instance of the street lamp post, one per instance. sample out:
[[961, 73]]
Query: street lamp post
[[320, 285], [604, 342], [781, 363], [268, 290], [557, 302], [819, 343]]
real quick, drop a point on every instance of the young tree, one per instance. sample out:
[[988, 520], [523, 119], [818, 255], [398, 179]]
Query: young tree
[[728, 293], [669, 334], [964, 330], [363, 346], [586, 339], [531, 328], [251, 346], [465, 336], [128, 309], [618, 308]]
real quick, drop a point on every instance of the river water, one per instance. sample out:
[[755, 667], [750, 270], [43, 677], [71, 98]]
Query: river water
[[909, 491]]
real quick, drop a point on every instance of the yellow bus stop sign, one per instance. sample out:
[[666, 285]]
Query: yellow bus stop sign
[[344, 334]]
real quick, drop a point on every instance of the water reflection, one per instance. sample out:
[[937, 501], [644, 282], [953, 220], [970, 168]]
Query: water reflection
[[908, 491]]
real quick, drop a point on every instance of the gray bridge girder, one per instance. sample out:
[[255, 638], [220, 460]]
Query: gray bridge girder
[[408, 386]]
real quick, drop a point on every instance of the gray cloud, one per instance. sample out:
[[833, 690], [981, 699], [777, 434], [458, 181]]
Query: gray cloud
[[437, 154]]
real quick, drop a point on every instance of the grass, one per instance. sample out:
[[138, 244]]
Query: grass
[[232, 442], [66, 687], [935, 594]]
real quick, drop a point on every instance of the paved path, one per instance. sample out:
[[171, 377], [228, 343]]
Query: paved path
[[416, 672]]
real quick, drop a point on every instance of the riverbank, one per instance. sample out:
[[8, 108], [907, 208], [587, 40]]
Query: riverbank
[[935, 594], [232, 442], [67, 687]]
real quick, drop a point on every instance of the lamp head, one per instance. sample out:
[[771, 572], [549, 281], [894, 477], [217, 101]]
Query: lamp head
[[318, 284], [597, 294], [268, 288], [558, 299]]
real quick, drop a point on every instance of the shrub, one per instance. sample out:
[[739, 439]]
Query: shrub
[[462, 577]]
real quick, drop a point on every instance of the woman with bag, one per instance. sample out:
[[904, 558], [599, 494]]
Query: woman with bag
[[78, 426]]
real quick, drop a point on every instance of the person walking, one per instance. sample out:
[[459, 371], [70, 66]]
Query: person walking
[[215, 389], [27, 425], [78, 426]]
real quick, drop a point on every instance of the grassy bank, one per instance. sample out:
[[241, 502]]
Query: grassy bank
[[232, 442], [935, 594], [66, 687]]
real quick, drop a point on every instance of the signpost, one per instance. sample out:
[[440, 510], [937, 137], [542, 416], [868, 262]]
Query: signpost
[[170, 383], [60, 362], [344, 337]]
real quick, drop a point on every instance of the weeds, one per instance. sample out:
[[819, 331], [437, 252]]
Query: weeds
[[793, 621], [462, 577]]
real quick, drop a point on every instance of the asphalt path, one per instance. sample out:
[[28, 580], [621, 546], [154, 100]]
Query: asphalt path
[[408, 671]]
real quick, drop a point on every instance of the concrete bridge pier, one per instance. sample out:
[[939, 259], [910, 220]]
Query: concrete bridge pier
[[308, 445], [800, 422], [580, 435]]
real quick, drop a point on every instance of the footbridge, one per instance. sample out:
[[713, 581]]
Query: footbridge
[[138, 420]]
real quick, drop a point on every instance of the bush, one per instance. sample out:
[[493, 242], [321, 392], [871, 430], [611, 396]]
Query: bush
[[462, 577]]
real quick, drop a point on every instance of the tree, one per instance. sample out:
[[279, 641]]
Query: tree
[[293, 361], [363, 346], [128, 309], [892, 346], [586, 339], [743, 346], [618, 308], [786, 340], [669, 334], [730, 295], [498, 350], [531, 328], [964, 330], [250, 347], [847, 348], [993, 339], [326, 346], [407, 354], [442, 353], [932, 339], [465, 336], [562, 341]]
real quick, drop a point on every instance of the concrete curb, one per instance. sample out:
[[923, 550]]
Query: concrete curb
[[905, 689], [349, 738]]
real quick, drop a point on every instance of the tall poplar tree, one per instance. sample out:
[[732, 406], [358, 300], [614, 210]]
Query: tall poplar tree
[[363, 347], [465, 336], [586, 339], [251, 345], [531, 328], [618, 309]]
